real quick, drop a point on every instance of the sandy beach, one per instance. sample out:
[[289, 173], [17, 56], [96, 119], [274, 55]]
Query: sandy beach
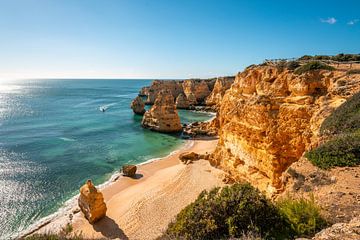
[[142, 208]]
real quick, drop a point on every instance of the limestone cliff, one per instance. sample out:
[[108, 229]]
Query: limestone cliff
[[174, 87], [138, 106], [182, 102], [91, 202], [221, 85], [199, 88], [271, 115], [163, 116]]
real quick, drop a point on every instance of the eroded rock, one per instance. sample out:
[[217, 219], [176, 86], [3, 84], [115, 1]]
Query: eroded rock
[[91, 202], [163, 116], [129, 170], [138, 106]]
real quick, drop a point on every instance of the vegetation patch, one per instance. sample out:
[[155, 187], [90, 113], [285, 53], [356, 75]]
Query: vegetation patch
[[234, 211], [314, 65], [343, 129], [339, 57], [345, 119], [353, 71], [341, 151], [303, 215]]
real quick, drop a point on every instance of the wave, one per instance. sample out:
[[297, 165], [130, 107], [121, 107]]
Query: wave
[[67, 139], [70, 205]]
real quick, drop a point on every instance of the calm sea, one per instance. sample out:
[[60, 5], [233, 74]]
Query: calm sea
[[53, 137]]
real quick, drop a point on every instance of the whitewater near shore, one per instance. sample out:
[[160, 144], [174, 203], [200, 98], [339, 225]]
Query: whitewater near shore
[[142, 208]]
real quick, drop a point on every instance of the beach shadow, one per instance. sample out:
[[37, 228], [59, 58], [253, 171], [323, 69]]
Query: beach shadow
[[137, 176], [109, 229]]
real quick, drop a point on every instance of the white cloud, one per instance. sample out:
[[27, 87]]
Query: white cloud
[[353, 22], [330, 20]]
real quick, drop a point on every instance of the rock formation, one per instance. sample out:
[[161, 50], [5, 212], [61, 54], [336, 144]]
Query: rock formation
[[144, 91], [345, 231], [174, 87], [270, 116], [182, 102], [162, 116], [138, 106], [192, 99], [199, 88], [91, 202], [198, 129], [129, 170], [221, 85]]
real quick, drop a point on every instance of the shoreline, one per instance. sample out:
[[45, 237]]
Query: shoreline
[[115, 186]]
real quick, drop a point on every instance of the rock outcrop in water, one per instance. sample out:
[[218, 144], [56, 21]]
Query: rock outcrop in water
[[129, 170], [163, 116], [174, 87], [221, 85], [138, 106], [182, 102], [91, 202], [270, 116], [144, 91]]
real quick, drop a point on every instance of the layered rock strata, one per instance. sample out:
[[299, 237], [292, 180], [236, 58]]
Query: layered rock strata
[[270, 116], [138, 106], [163, 116], [174, 87], [221, 85], [182, 102], [91, 202]]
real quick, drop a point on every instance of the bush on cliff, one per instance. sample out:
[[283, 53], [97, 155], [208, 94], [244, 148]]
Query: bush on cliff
[[345, 119], [228, 212], [342, 127], [303, 215], [341, 151], [314, 65]]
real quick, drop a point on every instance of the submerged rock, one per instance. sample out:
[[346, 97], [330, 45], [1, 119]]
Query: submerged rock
[[182, 102], [162, 116], [129, 170], [138, 106], [91, 202]]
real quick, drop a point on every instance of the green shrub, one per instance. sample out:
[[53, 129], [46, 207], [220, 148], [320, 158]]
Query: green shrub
[[353, 71], [303, 215], [292, 65], [345, 119], [341, 151], [228, 212], [339, 57], [315, 65]]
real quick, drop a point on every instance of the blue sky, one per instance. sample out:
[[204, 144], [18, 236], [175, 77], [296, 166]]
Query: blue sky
[[166, 39]]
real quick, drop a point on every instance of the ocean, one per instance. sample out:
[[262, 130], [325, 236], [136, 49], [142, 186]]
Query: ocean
[[53, 137]]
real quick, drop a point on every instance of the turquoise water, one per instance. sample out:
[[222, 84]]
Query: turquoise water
[[53, 137]]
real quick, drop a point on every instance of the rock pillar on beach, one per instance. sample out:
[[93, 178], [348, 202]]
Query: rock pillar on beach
[[138, 106], [91, 202], [162, 116]]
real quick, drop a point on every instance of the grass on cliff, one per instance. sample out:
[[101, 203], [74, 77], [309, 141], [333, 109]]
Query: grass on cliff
[[345, 119], [339, 57], [303, 215], [314, 65], [342, 128]]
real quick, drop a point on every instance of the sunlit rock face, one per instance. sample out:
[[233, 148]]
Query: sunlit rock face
[[182, 102], [174, 87], [91, 202], [163, 116], [138, 106], [196, 88], [270, 116], [221, 85]]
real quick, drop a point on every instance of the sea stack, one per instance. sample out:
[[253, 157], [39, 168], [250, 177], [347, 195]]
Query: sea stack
[[138, 106], [163, 117], [91, 202], [182, 102]]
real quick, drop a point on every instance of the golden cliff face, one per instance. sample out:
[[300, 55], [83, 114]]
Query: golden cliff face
[[270, 116], [221, 85]]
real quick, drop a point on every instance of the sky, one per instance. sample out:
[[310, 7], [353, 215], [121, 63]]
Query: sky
[[166, 38]]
